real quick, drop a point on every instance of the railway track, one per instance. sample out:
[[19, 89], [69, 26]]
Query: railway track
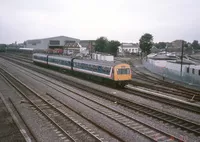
[[172, 91], [164, 86], [185, 125], [62, 121], [23, 59]]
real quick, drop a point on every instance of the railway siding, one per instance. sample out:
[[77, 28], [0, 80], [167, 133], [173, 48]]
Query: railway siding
[[194, 107]]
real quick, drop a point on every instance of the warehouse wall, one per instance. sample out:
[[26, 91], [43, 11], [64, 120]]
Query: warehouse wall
[[44, 43]]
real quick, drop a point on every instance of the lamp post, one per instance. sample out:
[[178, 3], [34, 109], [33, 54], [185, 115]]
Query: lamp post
[[182, 57]]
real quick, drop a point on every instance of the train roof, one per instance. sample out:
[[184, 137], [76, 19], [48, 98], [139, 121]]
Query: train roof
[[97, 62], [90, 61]]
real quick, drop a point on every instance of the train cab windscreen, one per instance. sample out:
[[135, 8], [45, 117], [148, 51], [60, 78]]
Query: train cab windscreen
[[123, 71]]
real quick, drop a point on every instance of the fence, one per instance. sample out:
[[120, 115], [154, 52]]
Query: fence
[[174, 74]]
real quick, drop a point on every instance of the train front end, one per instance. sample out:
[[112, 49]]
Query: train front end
[[122, 74]]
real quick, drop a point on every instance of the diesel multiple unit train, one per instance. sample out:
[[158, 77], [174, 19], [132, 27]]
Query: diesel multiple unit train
[[117, 74]]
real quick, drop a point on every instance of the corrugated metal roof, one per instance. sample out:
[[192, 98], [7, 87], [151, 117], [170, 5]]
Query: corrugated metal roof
[[54, 37]]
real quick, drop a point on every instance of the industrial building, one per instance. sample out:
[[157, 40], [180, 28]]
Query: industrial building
[[49, 43]]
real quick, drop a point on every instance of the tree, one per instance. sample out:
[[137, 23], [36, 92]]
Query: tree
[[160, 45], [113, 47], [187, 47], [101, 44], [195, 44], [146, 43]]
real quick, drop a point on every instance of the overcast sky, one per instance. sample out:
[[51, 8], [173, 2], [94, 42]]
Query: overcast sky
[[123, 20]]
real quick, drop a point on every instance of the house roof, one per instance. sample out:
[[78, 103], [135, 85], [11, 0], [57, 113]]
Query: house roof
[[130, 45]]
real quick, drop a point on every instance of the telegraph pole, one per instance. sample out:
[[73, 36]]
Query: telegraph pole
[[182, 57]]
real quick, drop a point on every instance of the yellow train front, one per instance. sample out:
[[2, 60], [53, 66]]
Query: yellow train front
[[122, 74]]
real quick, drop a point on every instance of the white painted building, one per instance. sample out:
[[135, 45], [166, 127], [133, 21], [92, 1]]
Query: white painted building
[[45, 43], [129, 47]]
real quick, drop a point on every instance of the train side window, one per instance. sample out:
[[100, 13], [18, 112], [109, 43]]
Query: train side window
[[199, 72], [86, 67], [193, 71], [188, 70], [109, 71], [103, 70], [90, 67], [95, 68], [82, 66], [99, 69]]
